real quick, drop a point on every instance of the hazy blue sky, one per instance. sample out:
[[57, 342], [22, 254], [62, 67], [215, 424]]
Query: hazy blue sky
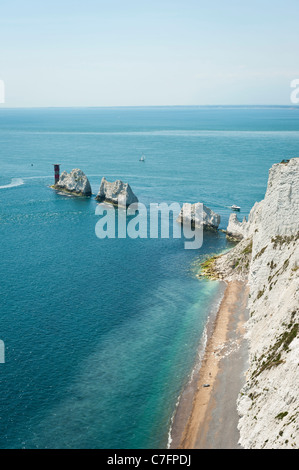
[[166, 52]]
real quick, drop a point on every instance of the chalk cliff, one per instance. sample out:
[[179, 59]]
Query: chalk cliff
[[75, 182], [191, 213], [235, 228], [268, 256], [268, 404], [116, 192]]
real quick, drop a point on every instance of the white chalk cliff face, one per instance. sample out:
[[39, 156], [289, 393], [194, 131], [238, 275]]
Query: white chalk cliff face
[[75, 182], [235, 228], [191, 214], [268, 403], [116, 192]]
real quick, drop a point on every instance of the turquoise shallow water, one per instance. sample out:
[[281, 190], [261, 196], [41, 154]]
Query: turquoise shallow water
[[101, 335]]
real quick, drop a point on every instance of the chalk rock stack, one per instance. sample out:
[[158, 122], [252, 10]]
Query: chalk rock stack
[[75, 182], [235, 228], [116, 192], [198, 215]]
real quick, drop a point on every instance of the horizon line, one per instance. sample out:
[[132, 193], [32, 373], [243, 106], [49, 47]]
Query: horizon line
[[291, 105]]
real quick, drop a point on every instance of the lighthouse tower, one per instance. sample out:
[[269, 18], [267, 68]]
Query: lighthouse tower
[[56, 173]]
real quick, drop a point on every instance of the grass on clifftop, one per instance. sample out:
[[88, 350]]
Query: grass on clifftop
[[236, 261], [282, 344], [208, 268]]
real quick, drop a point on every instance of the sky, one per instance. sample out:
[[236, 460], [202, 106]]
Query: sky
[[148, 52]]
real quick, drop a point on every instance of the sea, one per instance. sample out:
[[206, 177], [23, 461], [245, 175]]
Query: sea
[[102, 335]]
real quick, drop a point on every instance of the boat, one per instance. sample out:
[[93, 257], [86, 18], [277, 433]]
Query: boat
[[235, 208], [142, 158]]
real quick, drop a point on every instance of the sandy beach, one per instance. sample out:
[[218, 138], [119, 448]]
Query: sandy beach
[[207, 416]]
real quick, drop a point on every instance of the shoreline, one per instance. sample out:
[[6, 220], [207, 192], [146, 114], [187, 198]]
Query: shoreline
[[206, 417]]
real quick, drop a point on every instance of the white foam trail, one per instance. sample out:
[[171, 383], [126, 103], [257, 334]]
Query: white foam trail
[[36, 177], [175, 133], [14, 183]]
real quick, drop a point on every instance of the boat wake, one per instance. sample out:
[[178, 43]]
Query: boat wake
[[13, 184]]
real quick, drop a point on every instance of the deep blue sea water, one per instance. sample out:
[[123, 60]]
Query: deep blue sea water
[[102, 335]]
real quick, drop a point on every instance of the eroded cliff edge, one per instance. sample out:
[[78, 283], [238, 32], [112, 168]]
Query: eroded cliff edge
[[268, 257]]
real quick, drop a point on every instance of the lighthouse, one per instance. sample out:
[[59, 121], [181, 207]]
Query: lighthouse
[[56, 173]]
